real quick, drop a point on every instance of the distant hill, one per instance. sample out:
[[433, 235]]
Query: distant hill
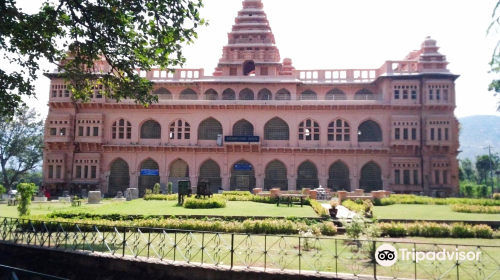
[[477, 133]]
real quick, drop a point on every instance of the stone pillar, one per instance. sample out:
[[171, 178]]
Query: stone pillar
[[292, 183], [313, 194], [323, 182], [354, 183], [226, 183], [341, 196], [259, 182], [194, 180], [134, 181]]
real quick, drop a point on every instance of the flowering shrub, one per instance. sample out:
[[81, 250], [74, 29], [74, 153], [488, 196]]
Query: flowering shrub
[[238, 193], [413, 199], [463, 208], [496, 196], [319, 208], [430, 229], [165, 197], [204, 203]]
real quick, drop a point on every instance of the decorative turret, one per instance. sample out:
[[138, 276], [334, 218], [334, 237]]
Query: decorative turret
[[428, 57], [251, 48]]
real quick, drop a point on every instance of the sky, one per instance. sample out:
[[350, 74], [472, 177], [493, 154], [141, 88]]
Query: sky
[[354, 34]]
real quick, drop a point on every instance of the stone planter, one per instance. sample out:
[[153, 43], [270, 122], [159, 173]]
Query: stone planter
[[40, 199], [94, 198], [333, 212]]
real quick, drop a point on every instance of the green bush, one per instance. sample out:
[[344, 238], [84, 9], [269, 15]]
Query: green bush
[[204, 203], [496, 196], [148, 192], [239, 193], [496, 234], [483, 231], [156, 188], [393, 229], [469, 191], [461, 230], [319, 208], [166, 197], [425, 200], [377, 202], [463, 208], [2, 189], [169, 188], [353, 206], [25, 192], [483, 191]]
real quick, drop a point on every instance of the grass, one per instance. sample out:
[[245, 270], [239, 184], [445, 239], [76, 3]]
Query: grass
[[170, 208], [428, 212]]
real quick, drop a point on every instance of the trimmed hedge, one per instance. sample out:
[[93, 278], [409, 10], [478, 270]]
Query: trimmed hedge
[[322, 211], [204, 203], [463, 208], [238, 193], [431, 229], [164, 197], [413, 199], [269, 226]]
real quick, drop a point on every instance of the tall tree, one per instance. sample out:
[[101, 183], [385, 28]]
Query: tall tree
[[468, 168], [21, 145], [74, 34], [483, 165], [495, 59]]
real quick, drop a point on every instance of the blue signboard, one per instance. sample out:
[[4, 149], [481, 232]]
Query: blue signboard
[[243, 167], [252, 139], [150, 172]]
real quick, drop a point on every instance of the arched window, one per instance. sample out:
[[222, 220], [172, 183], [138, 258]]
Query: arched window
[[307, 176], [228, 94], [338, 178], [178, 171], [209, 129], [276, 129], [180, 130], [371, 177], [249, 68], [369, 131], [364, 94], [188, 94], [309, 130], [246, 94], [119, 177], [283, 94], [211, 94], [210, 172], [265, 94], [149, 176], [308, 95], [339, 130], [243, 128], [151, 130], [122, 129], [163, 94], [242, 176], [336, 94], [276, 176]]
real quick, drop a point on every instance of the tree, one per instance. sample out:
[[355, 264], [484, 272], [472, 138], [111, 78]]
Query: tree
[[495, 59], [483, 165], [74, 35], [468, 168], [21, 145]]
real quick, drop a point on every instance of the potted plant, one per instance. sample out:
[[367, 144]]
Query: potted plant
[[333, 210]]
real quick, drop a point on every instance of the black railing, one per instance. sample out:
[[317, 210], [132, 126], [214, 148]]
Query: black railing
[[296, 254], [14, 273]]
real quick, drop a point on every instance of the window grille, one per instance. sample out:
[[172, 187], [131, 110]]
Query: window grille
[[397, 133], [122, 129], [309, 130], [78, 174], [93, 172], [228, 94], [364, 94], [148, 181], [338, 177], [369, 131], [53, 131], [58, 172], [188, 94], [210, 172], [80, 131], [336, 94], [397, 177], [371, 177], [405, 133], [276, 176], [308, 95], [283, 94], [63, 131], [415, 177], [307, 176], [414, 95], [211, 94], [209, 129], [265, 94], [247, 94], [406, 177], [248, 176], [96, 131], [85, 172], [179, 130], [432, 134], [243, 128], [413, 134], [339, 130], [88, 130], [436, 175], [179, 169], [163, 94], [446, 134], [445, 176], [51, 172], [276, 129], [151, 130]]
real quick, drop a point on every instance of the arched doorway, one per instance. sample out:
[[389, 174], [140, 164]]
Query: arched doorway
[[210, 172], [119, 177], [149, 176], [276, 176], [371, 178], [307, 176], [179, 171], [338, 177], [242, 176]]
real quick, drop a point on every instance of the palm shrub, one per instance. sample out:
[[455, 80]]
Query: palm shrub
[[156, 188], [169, 188], [25, 192]]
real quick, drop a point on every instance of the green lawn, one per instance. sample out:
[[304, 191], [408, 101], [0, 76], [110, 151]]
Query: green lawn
[[428, 212], [141, 207]]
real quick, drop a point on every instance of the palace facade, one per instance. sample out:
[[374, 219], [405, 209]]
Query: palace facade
[[259, 122]]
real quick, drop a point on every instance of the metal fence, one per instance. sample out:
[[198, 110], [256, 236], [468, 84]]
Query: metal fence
[[296, 254]]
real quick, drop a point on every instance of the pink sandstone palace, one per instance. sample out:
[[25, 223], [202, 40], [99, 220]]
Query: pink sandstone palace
[[260, 123]]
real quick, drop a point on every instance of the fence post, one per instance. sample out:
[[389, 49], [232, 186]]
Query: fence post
[[300, 255], [232, 249], [374, 260], [202, 246], [414, 261], [123, 251], [265, 252]]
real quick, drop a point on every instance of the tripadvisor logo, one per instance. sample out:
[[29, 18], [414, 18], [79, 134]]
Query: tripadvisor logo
[[387, 255]]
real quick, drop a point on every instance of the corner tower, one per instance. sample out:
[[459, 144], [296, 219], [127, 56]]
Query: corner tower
[[251, 48]]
